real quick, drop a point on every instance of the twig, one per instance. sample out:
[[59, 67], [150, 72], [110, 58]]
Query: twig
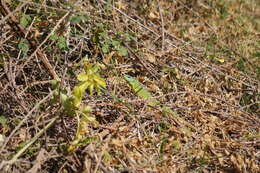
[[16, 26], [25, 118], [34, 84], [43, 56], [101, 166], [186, 54], [162, 30], [102, 152], [45, 6], [10, 14], [140, 60], [4, 9], [20, 152], [256, 121]]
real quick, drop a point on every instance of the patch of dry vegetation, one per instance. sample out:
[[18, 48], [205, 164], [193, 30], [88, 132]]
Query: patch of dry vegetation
[[199, 58]]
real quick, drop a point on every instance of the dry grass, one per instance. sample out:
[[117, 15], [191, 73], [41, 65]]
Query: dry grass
[[201, 58]]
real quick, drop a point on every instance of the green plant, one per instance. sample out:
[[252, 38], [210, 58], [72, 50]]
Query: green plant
[[107, 43], [23, 45], [25, 20], [77, 18], [72, 103], [61, 41], [89, 79]]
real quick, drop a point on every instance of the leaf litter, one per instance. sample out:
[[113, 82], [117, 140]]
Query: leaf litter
[[181, 90]]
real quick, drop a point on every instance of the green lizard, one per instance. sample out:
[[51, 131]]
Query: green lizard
[[141, 92]]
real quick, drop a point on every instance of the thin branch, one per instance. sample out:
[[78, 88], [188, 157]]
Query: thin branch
[[25, 118], [162, 27], [4, 9], [20, 152], [10, 14], [185, 53]]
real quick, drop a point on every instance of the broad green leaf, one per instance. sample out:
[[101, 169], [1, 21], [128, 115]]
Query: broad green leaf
[[3, 120], [82, 77], [122, 51], [77, 19], [63, 97], [25, 19], [100, 81], [86, 109], [54, 37], [78, 92], [62, 42], [115, 43], [89, 119], [105, 48], [23, 45], [91, 89]]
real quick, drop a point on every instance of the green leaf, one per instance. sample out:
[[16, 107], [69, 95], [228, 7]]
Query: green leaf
[[54, 37], [87, 141], [130, 37], [115, 43], [100, 81], [55, 84], [63, 97], [89, 119], [105, 48], [82, 77], [62, 42], [91, 80], [77, 19], [91, 89], [25, 20], [103, 35], [138, 88], [24, 45], [78, 93], [95, 68], [86, 109], [256, 54], [21, 145], [122, 51], [3, 120]]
